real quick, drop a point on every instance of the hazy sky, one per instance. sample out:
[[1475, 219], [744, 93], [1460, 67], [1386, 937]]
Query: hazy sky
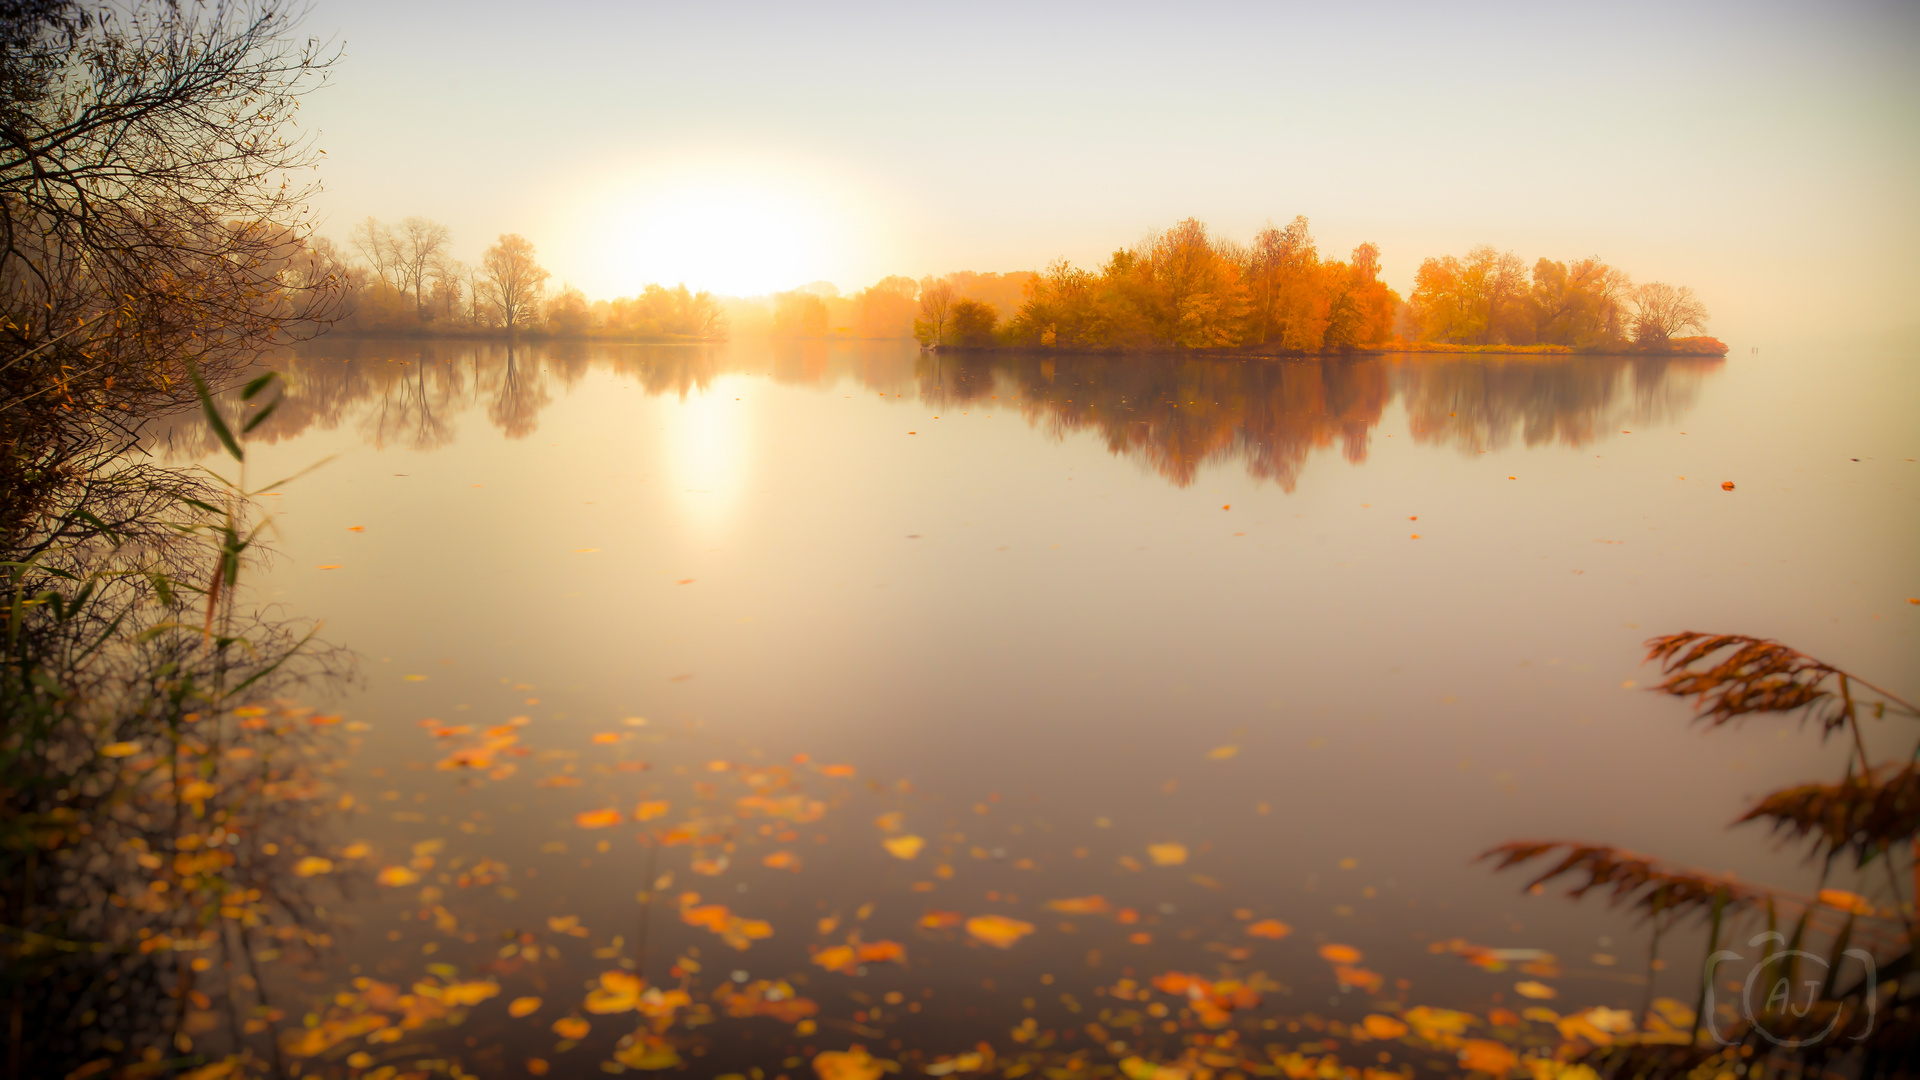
[[1766, 154]]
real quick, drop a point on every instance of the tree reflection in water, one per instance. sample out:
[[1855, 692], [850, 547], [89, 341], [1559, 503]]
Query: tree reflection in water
[[1173, 414], [1176, 414]]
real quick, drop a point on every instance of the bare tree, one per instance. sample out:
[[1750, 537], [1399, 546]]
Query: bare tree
[[513, 281], [449, 276], [1662, 311], [376, 244], [417, 245], [151, 203], [469, 279]]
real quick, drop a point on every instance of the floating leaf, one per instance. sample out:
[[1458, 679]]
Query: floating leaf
[[1222, 753], [597, 819], [903, 847], [766, 998], [852, 1064], [782, 860], [1340, 954], [941, 920], [523, 1006], [312, 866], [1538, 991], [1433, 1024], [618, 992], [647, 1052], [1383, 1027], [1270, 928], [1171, 854], [1487, 1056], [1080, 905], [571, 1027], [395, 877], [467, 993], [840, 958], [651, 809], [998, 930]]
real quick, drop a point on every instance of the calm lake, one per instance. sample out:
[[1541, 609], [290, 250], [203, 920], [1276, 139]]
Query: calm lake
[[1216, 642]]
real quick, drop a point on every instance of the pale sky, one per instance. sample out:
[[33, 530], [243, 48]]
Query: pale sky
[[1766, 154]]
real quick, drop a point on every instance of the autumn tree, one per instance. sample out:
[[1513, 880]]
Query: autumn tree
[[1466, 300], [1064, 309], [512, 281], [1580, 304], [1185, 288], [568, 313], [1285, 289], [662, 312], [973, 324], [936, 306], [1374, 304], [1191, 287], [799, 314], [1662, 311], [886, 308], [1001, 292]]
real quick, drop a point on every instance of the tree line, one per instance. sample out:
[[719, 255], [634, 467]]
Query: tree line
[[404, 279], [1188, 288], [1182, 288]]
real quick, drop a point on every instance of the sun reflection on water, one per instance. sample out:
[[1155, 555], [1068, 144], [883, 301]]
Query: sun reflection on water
[[707, 441]]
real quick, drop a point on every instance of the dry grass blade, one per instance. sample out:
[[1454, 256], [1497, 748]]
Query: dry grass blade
[[1864, 813], [1633, 881], [1757, 676]]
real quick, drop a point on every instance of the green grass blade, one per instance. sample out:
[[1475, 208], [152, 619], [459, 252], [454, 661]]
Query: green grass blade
[[214, 419]]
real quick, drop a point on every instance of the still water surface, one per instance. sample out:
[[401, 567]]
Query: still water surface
[[1336, 627]]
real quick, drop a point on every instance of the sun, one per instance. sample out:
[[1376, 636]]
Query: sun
[[732, 234]]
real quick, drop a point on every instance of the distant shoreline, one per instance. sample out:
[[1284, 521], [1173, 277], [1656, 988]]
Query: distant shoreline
[[1689, 346], [516, 334]]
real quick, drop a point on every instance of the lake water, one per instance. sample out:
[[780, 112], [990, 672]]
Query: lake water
[[1333, 628]]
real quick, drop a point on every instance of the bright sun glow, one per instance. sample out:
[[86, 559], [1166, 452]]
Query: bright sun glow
[[732, 231]]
